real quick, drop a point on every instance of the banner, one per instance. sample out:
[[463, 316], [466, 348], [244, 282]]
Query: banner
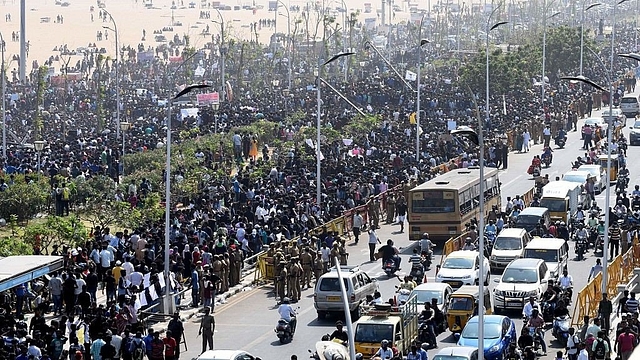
[[184, 113], [410, 76], [145, 56], [208, 99]]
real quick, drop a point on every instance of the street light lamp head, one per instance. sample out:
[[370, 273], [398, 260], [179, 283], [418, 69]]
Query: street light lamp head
[[498, 24], [424, 42], [39, 145], [190, 88], [215, 107], [583, 79], [632, 56], [338, 56], [592, 6]]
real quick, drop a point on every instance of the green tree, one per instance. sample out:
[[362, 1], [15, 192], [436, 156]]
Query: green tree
[[24, 200], [55, 231], [563, 51]]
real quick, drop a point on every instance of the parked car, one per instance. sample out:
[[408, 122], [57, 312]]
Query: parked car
[[634, 134], [499, 333]]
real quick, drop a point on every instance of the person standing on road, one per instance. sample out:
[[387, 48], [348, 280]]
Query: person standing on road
[[373, 241], [605, 308], [207, 327], [176, 327], [614, 240], [572, 344], [401, 210], [356, 226], [595, 269]]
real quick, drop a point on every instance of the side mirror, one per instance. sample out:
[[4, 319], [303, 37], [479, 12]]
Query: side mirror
[[398, 336], [631, 127]]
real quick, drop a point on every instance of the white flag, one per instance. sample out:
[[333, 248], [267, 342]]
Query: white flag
[[199, 71], [410, 76]]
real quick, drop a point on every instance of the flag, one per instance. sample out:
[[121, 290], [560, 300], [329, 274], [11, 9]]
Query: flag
[[410, 76], [504, 105], [229, 92], [199, 71], [412, 118]]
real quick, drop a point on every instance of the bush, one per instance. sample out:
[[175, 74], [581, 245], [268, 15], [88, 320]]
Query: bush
[[57, 231], [24, 200]]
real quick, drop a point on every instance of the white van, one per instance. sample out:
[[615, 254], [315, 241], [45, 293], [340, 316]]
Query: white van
[[630, 106], [508, 246], [554, 252]]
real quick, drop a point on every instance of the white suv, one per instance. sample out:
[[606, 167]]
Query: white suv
[[630, 106], [521, 279], [462, 268]]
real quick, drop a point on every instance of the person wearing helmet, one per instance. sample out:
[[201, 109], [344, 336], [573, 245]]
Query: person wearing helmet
[[385, 351], [426, 245], [563, 231], [468, 244], [288, 314], [390, 252]]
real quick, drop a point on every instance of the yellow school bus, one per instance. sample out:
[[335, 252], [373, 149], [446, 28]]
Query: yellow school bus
[[443, 205]]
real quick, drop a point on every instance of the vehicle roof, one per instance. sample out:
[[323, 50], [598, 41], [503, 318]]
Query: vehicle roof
[[465, 351], [469, 290], [577, 173], [458, 179], [219, 354], [432, 286], [533, 210], [466, 254], [525, 263], [594, 119], [491, 319], [509, 232], [545, 243], [378, 319], [560, 187]]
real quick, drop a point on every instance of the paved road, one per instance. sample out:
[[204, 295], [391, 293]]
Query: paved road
[[246, 322]]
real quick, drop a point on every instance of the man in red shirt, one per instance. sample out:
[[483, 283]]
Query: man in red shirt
[[625, 343], [169, 346]]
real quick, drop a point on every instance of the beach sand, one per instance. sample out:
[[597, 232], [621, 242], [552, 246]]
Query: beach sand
[[77, 29]]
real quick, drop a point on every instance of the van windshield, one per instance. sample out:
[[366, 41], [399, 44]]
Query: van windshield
[[373, 333], [527, 219], [554, 205], [544, 254], [507, 243]]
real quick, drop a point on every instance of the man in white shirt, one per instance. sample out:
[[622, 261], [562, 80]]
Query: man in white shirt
[[128, 268], [529, 307], [583, 354], [572, 344], [116, 341], [566, 282], [106, 257], [288, 314], [136, 278]]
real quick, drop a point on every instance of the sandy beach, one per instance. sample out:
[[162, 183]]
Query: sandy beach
[[132, 17]]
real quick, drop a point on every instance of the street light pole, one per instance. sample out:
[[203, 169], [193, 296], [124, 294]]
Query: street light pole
[[115, 30], [582, 33], [544, 49], [288, 43], [482, 190], [4, 108], [223, 53], [124, 126], [418, 110], [318, 124]]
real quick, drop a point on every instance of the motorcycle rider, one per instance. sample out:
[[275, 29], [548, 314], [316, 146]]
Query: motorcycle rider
[[620, 210], [428, 317], [561, 310], [408, 283], [416, 262], [528, 308], [288, 314], [525, 340], [582, 233], [535, 202], [579, 215], [390, 252], [548, 153], [438, 317], [561, 135], [491, 227], [563, 231], [635, 203], [539, 231], [566, 283], [550, 296], [384, 352], [536, 321], [339, 333], [468, 244], [426, 245]]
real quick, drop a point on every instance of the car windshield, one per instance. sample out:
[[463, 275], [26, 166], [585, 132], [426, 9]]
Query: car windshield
[[461, 303], [491, 331], [457, 263], [519, 276], [507, 243], [449, 357], [593, 122], [574, 178], [544, 254], [373, 333], [527, 219], [424, 296]]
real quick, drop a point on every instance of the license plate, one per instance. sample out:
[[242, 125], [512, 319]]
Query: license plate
[[514, 304], [334, 298]]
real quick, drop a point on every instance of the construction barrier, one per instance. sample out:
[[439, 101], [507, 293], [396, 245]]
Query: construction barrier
[[619, 271]]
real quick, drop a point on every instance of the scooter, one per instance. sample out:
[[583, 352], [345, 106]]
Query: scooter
[[284, 331], [536, 338], [561, 141], [561, 326], [581, 248], [417, 272], [389, 267]]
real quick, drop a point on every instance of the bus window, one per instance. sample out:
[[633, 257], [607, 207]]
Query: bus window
[[433, 202]]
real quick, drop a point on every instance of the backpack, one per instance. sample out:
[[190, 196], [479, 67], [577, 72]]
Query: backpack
[[599, 351], [138, 351]]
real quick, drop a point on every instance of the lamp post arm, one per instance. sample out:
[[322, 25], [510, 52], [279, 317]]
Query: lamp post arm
[[389, 65], [342, 96]]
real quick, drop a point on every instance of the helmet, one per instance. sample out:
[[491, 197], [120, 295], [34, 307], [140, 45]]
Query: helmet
[[385, 342], [425, 235], [286, 300]]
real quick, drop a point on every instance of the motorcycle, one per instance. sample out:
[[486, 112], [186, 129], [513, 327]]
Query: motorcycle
[[622, 183], [284, 331], [561, 141], [389, 267], [561, 329], [534, 170], [546, 160], [329, 350], [547, 314], [598, 246], [417, 272], [581, 248]]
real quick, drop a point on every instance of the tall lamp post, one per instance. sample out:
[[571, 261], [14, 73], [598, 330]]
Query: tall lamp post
[[544, 52], [115, 30], [489, 28], [39, 146], [215, 108], [4, 108], [223, 53], [422, 43], [168, 302], [318, 124], [288, 43], [124, 126], [582, 32]]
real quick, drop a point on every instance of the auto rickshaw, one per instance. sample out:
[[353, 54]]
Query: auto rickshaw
[[613, 175], [462, 306]]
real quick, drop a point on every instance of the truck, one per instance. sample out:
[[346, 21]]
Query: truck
[[562, 199], [397, 324]]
